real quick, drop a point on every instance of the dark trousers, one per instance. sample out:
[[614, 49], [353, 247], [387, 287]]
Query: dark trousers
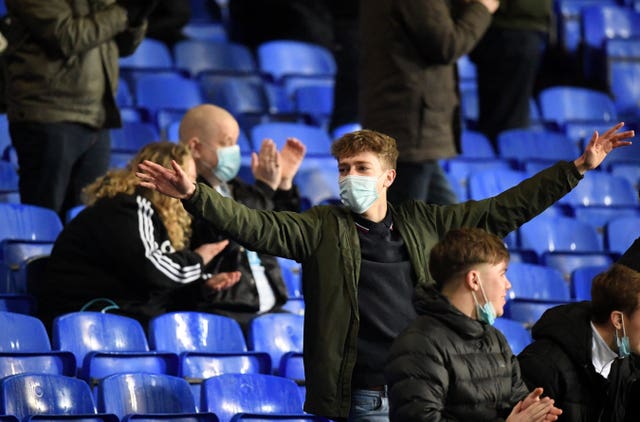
[[421, 181], [507, 63], [57, 160]]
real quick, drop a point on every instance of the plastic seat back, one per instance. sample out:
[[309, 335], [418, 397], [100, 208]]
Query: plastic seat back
[[229, 394], [551, 234], [167, 91], [531, 281], [315, 103], [621, 233], [528, 312], [562, 104], [523, 145], [515, 332], [14, 254], [132, 136], [105, 344], [316, 139], [29, 222], [150, 54], [8, 176], [282, 58], [487, 183], [476, 145], [208, 56], [18, 303], [276, 334], [581, 279], [143, 393], [568, 262], [26, 395], [602, 189]]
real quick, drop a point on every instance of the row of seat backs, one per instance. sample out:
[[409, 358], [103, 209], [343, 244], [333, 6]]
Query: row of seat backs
[[152, 397]]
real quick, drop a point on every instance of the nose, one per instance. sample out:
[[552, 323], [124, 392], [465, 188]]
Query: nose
[[508, 285]]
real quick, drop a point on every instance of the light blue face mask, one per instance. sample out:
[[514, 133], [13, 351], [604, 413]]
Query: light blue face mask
[[228, 163], [358, 193], [624, 349], [485, 313]]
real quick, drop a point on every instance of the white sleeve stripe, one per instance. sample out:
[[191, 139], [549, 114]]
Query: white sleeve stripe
[[163, 263]]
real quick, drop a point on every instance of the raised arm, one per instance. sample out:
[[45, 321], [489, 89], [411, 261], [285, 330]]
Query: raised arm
[[601, 145]]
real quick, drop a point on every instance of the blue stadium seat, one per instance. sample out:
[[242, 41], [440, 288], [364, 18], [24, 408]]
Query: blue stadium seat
[[515, 332], [276, 334], [105, 344], [559, 234], [132, 136], [316, 139], [49, 397], [599, 216], [5, 138], [526, 145], [599, 188], [230, 394], [344, 129], [8, 180], [568, 16], [527, 311], [460, 169], [563, 104], [292, 367], [198, 56], [581, 280], [208, 345], [627, 154], [295, 305], [25, 347], [620, 233], [284, 58], [18, 303], [205, 31], [568, 262], [29, 222], [487, 183], [629, 171], [469, 106], [292, 276], [538, 282], [317, 180], [149, 397], [467, 73], [624, 84], [14, 252], [476, 145], [315, 103]]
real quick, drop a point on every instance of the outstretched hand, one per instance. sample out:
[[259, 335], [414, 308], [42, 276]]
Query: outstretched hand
[[601, 145], [174, 183]]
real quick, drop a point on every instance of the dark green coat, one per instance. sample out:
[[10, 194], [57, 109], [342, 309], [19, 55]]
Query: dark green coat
[[62, 60], [325, 241]]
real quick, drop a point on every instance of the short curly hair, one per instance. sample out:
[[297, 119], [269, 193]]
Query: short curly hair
[[365, 140]]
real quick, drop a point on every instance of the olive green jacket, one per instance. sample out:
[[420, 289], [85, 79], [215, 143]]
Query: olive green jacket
[[325, 241], [62, 60]]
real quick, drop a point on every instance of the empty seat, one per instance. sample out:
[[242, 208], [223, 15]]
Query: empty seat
[[524, 145], [198, 56], [460, 169], [29, 222], [316, 139], [315, 103], [149, 397], [528, 312], [581, 279], [285, 58], [230, 394], [292, 276], [551, 234], [568, 262], [531, 281], [600, 188], [132, 136], [344, 129], [105, 344], [562, 104], [620, 233], [8, 180], [13, 253], [476, 145], [25, 347], [487, 183], [49, 397], [517, 335], [18, 303], [276, 334], [317, 180]]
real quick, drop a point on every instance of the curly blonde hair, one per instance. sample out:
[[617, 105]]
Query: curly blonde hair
[[173, 215]]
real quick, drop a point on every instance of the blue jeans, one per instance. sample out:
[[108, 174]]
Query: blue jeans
[[369, 406], [57, 160], [424, 181]]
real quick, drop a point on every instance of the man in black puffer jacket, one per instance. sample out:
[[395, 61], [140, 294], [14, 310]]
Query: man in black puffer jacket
[[450, 363], [576, 356]]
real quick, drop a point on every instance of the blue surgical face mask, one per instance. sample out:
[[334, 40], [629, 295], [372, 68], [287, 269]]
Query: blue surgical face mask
[[485, 313], [358, 193], [624, 349], [228, 163]]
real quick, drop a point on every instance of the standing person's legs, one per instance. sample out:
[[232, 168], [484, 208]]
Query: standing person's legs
[[369, 406], [93, 162], [421, 181]]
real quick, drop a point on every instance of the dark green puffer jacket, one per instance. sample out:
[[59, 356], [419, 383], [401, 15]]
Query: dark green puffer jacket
[[324, 239]]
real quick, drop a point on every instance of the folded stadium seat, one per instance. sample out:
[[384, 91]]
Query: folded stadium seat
[[130, 138], [105, 344], [568, 262], [25, 347], [246, 98], [201, 56], [292, 275], [534, 145], [245, 397], [629, 171], [317, 179], [8, 182], [563, 104], [558, 234], [167, 96], [207, 345], [145, 397], [18, 303], [281, 59], [599, 216], [316, 139], [276, 334], [620, 233], [528, 312], [292, 367], [517, 335], [599, 23], [568, 16], [14, 253], [49, 397], [151, 56], [623, 75], [206, 31], [581, 279], [476, 145], [314, 103], [29, 222], [492, 181]]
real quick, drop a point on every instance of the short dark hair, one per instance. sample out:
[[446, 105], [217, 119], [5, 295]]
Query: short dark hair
[[461, 248], [615, 289], [365, 140]]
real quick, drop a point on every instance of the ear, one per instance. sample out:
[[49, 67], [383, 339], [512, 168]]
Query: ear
[[472, 280], [389, 178], [615, 318], [192, 144]]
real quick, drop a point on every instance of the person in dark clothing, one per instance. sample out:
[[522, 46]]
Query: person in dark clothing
[[579, 347], [507, 60], [168, 18], [211, 134], [341, 266], [450, 363], [62, 70], [129, 245]]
